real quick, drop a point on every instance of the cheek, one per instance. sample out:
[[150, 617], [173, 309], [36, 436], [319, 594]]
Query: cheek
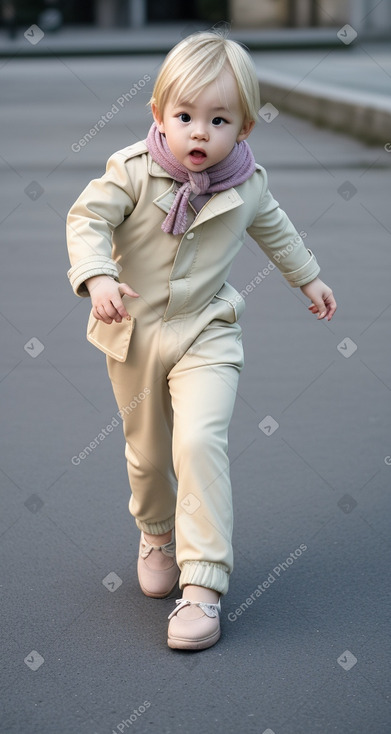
[[226, 138], [171, 128], [176, 133]]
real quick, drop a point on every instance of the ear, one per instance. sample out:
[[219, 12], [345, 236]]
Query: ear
[[157, 117], [245, 131]]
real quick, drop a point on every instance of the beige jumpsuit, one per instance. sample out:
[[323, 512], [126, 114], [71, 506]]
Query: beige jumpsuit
[[174, 367]]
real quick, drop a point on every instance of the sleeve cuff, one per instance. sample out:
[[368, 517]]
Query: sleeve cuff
[[88, 268], [305, 273]]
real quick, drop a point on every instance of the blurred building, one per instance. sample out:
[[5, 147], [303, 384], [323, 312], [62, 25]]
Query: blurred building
[[241, 13], [369, 16], [137, 13], [291, 13]]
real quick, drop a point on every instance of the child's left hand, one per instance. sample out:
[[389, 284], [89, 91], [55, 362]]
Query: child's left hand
[[323, 301]]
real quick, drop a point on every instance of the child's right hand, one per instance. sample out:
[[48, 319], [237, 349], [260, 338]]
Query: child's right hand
[[106, 298]]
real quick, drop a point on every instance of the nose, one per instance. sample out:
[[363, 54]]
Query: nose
[[199, 132]]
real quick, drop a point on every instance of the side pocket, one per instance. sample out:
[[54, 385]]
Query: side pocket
[[231, 296], [112, 339]]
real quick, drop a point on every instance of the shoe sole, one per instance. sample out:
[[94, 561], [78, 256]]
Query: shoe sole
[[158, 596], [178, 643]]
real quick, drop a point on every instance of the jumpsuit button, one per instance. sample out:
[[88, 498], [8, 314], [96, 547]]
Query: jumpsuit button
[[190, 236]]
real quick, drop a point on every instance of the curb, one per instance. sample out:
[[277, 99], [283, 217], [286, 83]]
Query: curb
[[365, 116], [123, 43]]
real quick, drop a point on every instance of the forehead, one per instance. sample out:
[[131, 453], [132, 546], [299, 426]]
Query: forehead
[[221, 93]]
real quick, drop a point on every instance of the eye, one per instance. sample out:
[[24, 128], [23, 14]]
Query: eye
[[184, 117], [217, 121]]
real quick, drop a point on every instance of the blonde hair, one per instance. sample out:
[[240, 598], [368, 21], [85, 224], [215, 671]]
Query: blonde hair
[[198, 60]]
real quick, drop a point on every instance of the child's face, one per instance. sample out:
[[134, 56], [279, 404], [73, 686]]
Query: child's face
[[202, 133]]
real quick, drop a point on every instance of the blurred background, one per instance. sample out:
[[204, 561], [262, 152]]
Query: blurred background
[[53, 14]]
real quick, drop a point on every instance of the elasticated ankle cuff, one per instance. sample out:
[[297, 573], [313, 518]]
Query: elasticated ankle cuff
[[157, 528], [200, 573]]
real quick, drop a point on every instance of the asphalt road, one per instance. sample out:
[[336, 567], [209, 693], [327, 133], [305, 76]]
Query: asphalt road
[[82, 649]]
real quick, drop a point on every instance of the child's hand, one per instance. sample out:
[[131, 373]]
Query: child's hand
[[106, 298], [323, 301]]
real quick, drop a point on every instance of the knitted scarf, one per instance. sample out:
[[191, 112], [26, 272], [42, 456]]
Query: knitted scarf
[[233, 170]]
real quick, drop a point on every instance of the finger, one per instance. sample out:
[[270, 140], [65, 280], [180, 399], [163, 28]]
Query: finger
[[109, 313], [314, 308], [321, 309], [110, 309], [331, 305], [318, 307], [96, 313], [332, 309], [125, 289], [102, 315], [121, 312]]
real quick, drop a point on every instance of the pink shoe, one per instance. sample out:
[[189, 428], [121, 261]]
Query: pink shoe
[[194, 634], [156, 582]]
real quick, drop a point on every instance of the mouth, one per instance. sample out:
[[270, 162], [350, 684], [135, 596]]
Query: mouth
[[197, 155]]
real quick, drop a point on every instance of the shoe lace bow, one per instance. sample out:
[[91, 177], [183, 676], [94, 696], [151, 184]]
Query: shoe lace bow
[[168, 549], [211, 610]]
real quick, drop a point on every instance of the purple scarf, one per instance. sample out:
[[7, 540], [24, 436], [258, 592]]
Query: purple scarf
[[233, 170]]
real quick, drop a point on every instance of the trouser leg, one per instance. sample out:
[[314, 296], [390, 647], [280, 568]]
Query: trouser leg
[[203, 388], [148, 432]]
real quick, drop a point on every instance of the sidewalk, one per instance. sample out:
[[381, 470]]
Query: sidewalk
[[349, 92], [154, 38], [326, 75]]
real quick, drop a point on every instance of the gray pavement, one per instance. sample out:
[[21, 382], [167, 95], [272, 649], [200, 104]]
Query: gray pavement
[[82, 649]]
